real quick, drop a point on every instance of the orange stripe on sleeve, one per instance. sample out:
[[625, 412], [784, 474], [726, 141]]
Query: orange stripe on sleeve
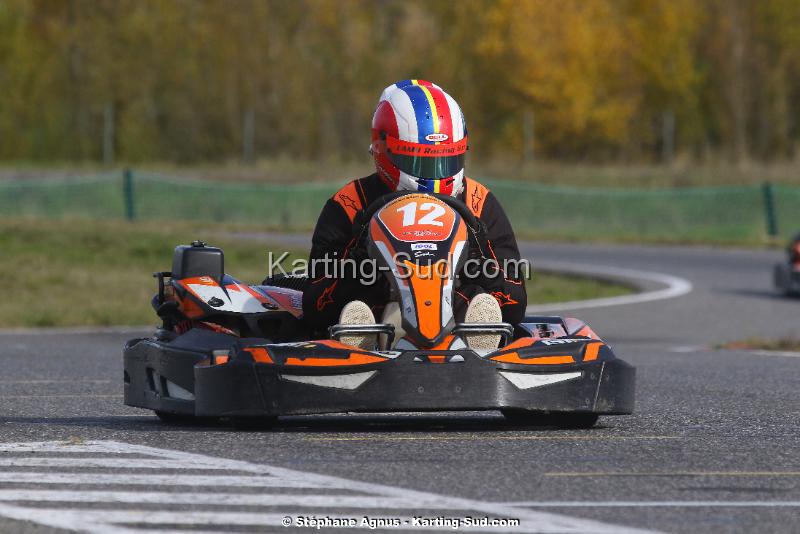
[[347, 197], [475, 196]]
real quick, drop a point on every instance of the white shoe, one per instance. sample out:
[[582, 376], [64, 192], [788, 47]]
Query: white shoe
[[483, 308], [357, 312]]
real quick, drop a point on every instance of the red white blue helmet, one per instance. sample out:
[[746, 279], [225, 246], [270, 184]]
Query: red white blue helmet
[[419, 138]]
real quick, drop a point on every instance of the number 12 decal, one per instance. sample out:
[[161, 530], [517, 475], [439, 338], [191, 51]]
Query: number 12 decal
[[431, 219]]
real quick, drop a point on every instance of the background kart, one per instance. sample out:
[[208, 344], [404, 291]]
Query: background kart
[[226, 349], [786, 274]]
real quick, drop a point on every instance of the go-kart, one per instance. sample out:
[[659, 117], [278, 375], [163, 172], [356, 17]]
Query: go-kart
[[786, 274], [229, 350]]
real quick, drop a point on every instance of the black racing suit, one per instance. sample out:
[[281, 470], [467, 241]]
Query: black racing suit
[[324, 297]]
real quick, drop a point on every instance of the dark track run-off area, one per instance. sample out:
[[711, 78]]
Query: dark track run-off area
[[713, 445]]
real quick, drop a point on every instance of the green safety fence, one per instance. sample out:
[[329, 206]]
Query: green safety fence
[[726, 214], [288, 207], [787, 210], [94, 196]]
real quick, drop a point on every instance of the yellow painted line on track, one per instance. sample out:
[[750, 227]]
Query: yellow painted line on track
[[490, 438], [678, 474]]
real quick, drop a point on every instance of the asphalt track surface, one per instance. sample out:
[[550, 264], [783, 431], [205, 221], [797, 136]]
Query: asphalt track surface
[[712, 447]]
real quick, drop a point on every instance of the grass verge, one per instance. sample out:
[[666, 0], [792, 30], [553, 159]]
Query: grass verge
[[98, 273], [756, 343], [547, 288]]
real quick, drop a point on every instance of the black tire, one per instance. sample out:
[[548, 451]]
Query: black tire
[[524, 417], [253, 424], [565, 421], [576, 420], [183, 419]]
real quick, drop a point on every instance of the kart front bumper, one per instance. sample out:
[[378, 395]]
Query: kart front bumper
[[245, 389]]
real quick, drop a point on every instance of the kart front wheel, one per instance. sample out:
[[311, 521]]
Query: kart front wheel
[[184, 419], [251, 424], [559, 420]]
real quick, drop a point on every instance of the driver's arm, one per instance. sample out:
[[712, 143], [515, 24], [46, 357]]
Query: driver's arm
[[325, 296]]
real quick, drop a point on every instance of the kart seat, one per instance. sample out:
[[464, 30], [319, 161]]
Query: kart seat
[[197, 259]]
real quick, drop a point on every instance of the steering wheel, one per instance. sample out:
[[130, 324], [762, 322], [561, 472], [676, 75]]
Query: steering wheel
[[477, 229]]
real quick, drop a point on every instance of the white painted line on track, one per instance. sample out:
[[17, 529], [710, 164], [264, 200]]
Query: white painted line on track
[[657, 504], [131, 463], [303, 500], [675, 286], [128, 479], [59, 446], [78, 508]]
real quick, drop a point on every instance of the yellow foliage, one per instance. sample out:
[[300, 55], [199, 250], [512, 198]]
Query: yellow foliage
[[595, 76]]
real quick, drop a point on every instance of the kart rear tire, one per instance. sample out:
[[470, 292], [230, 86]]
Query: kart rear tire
[[253, 424], [564, 421]]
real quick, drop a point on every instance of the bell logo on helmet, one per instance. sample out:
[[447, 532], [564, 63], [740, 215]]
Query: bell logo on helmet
[[437, 137]]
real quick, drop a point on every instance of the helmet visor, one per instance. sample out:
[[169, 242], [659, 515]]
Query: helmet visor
[[430, 168], [431, 162]]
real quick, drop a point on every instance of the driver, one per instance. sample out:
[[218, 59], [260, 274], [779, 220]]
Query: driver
[[412, 113], [794, 250]]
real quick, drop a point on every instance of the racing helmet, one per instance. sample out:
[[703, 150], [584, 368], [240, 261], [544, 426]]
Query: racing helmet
[[419, 138]]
